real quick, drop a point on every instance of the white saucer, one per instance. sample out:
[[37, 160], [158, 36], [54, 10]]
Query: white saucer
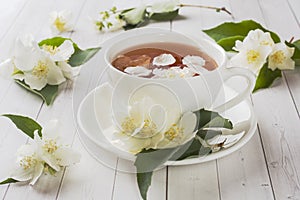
[[101, 149]]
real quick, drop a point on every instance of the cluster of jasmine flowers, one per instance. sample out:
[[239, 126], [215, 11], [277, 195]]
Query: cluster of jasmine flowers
[[45, 154], [192, 65], [38, 65], [114, 19], [259, 48]]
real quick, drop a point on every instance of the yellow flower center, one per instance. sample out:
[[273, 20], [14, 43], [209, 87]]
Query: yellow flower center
[[252, 56], [265, 42], [50, 146], [40, 70], [28, 162], [51, 49], [129, 127], [59, 24], [173, 132], [278, 57]]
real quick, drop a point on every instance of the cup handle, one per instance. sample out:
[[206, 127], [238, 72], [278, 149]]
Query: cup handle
[[228, 73]]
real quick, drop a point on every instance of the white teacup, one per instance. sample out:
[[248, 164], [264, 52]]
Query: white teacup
[[193, 92]]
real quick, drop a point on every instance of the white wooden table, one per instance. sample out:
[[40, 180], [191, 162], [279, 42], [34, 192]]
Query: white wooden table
[[267, 167]]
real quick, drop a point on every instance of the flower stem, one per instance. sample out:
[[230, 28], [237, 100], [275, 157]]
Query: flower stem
[[292, 39], [207, 7]]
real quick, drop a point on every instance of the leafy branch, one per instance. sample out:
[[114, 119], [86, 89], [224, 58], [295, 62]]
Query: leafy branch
[[114, 19], [149, 160]]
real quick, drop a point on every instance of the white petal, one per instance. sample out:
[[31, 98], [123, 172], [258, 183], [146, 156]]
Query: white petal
[[25, 57], [188, 123], [283, 59], [66, 14], [22, 175], [64, 51], [51, 129], [166, 98], [67, 156], [194, 63], [38, 170], [68, 71], [164, 6], [228, 140], [37, 141], [159, 73], [163, 60], [34, 82], [19, 77], [159, 116], [135, 15], [26, 150], [138, 71], [55, 75], [238, 45], [51, 160]]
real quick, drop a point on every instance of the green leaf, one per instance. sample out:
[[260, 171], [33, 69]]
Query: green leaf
[[164, 16], [9, 180], [211, 119], [55, 41], [25, 124], [48, 93], [296, 56], [82, 56], [266, 77], [191, 149], [144, 182], [229, 42], [149, 160], [229, 30], [79, 57], [208, 134], [146, 162]]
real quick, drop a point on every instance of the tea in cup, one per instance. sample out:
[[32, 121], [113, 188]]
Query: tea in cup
[[194, 69]]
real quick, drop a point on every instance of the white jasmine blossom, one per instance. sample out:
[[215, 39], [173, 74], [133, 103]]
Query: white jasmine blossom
[[164, 6], [194, 63], [61, 21], [180, 132], [138, 71], [134, 15], [253, 51], [255, 36], [39, 66], [147, 121], [163, 60], [61, 53], [35, 67], [172, 72], [280, 58], [46, 154]]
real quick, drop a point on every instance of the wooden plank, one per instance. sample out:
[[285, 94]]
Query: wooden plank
[[90, 179], [14, 99], [278, 121], [193, 182], [243, 174], [48, 186], [295, 7], [231, 165], [9, 12], [125, 183]]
